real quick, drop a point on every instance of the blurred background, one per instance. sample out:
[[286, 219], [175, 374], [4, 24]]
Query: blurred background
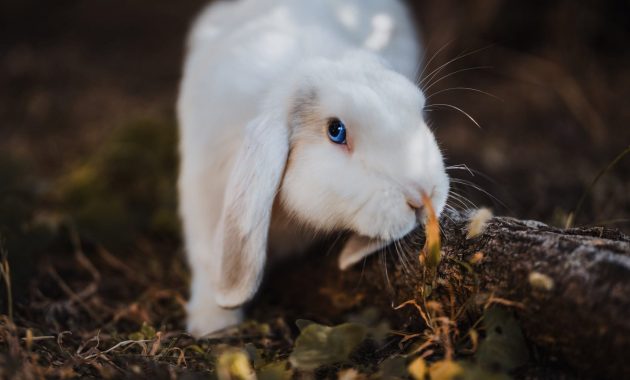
[[78, 75], [88, 141]]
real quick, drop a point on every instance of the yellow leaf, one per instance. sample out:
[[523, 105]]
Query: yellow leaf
[[418, 369], [234, 365], [445, 370]]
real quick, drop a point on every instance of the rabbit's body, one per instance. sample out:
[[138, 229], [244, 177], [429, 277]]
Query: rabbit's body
[[244, 72]]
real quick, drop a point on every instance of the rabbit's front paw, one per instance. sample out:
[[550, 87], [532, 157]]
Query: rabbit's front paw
[[208, 317]]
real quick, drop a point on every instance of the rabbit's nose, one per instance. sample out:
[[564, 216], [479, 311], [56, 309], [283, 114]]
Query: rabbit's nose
[[419, 211], [415, 203]]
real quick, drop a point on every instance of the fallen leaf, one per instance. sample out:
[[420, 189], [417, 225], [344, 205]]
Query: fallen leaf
[[445, 370], [255, 355], [418, 369], [504, 346], [275, 371], [320, 345], [234, 365], [303, 323]]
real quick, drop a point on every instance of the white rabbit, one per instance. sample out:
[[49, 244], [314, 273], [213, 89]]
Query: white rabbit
[[297, 118]]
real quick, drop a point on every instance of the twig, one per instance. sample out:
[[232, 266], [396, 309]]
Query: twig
[[80, 255], [588, 190], [78, 298], [5, 271]]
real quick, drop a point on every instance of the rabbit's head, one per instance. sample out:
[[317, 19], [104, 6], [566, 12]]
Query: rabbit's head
[[342, 146]]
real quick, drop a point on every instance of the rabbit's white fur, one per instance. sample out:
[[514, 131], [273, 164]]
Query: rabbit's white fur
[[258, 172]]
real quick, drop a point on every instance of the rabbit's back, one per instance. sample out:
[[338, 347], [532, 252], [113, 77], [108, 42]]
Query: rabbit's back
[[383, 26], [238, 49]]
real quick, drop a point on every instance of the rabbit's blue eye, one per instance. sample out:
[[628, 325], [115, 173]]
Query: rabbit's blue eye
[[336, 131]]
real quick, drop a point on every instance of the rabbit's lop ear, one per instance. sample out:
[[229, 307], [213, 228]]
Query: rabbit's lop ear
[[358, 247], [246, 215]]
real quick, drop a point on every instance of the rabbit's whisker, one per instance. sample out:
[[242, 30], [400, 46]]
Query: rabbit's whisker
[[460, 167], [473, 172], [472, 185], [462, 200], [464, 89], [433, 83], [400, 252], [426, 66], [458, 196], [383, 259], [446, 105], [439, 69]]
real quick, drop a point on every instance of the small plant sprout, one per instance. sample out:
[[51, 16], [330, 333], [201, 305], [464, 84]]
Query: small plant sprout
[[433, 246]]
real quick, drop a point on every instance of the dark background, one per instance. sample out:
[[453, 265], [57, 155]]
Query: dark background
[[74, 71]]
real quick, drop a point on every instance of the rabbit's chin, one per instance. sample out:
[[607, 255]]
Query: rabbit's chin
[[386, 217], [389, 218]]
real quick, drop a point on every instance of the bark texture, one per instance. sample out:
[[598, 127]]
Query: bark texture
[[571, 287]]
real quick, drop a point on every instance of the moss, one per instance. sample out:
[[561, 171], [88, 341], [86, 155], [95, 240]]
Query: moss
[[127, 187]]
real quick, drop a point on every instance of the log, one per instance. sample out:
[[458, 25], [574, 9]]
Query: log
[[570, 288]]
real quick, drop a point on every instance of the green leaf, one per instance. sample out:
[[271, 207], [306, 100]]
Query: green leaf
[[275, 371], [303, 323], [380, 332], [320, 345], [196, 348], [136, 336], [255, 355], [370, 317], [504, 346], [147, 331]]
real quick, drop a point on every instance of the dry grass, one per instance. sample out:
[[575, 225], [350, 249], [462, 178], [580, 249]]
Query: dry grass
[[90, 313]]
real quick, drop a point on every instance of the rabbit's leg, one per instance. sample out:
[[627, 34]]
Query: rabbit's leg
[[198, 207], [204, 315]]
